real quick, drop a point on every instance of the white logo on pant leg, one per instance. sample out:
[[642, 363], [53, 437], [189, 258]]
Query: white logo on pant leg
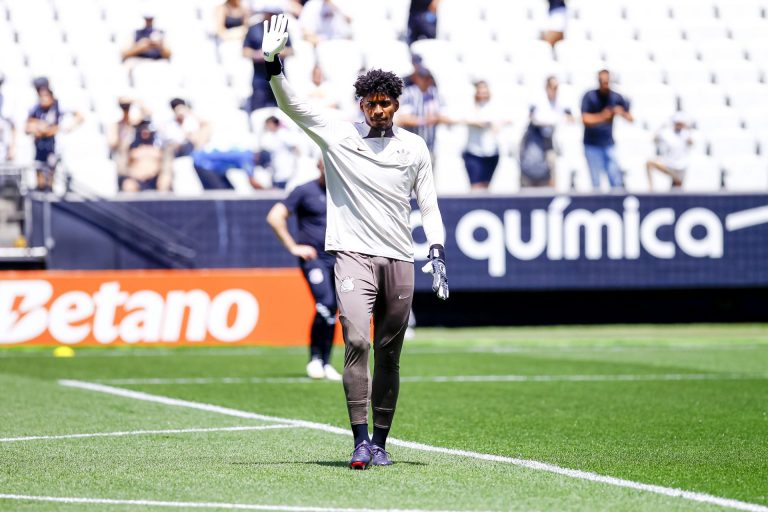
[[315, 276], [347, 284]]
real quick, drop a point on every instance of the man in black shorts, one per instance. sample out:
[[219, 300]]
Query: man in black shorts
[[307, 202]]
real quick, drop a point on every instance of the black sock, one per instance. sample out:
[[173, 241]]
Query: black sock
[[379, 436], [360, 432]]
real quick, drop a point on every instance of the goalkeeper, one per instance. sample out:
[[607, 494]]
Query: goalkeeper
[[371, 169]]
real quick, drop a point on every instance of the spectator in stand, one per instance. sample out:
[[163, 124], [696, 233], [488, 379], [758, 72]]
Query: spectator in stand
[[262, 95], [148, 167], [7, 130], [422, 20], [481, 156], [323, 20], [556, 23], [320, 94], [231, 17], [420, 108], [148, 42], [212, 166], [674, 145], [282, 145], [547, 111], [7, 140], [186, 131], [2, 96], [599, 108], [43, 124], [307, 202], [121, 134]]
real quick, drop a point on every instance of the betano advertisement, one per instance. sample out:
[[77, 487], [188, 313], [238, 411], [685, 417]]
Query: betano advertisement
[[266, 306]]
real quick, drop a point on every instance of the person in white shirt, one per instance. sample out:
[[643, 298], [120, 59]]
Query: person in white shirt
[[186, 132], [547, 111], [674, 146], [481, 155], [282, 145], [324, 20], [371, 170]]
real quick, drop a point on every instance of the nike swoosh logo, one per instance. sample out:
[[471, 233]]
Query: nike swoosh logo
[[401, 297]]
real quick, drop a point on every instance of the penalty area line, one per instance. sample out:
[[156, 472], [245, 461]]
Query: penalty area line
[[144, 433], [193, 504], [525, 463]]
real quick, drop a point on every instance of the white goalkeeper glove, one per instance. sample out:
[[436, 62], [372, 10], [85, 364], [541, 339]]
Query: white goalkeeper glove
[[275, 36], [436, 267]]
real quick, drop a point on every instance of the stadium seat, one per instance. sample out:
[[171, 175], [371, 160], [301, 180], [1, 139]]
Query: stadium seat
[[730, 11], [693, 11], [506, 179], [696, 98], [185, 180], [705, 30], [719, 51], [737, 72], [745, 173], [716, 120], [651, 104], [342, 70], [732, 144], [703, 174], [687, 73], [390, 55]]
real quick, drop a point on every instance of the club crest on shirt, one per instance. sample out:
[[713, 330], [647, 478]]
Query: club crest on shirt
[[347, 284], [403, 156]]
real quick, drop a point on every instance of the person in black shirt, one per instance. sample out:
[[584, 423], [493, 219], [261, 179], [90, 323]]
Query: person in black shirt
[[599, 108], [422, 20], [148, 42], [307, 201]]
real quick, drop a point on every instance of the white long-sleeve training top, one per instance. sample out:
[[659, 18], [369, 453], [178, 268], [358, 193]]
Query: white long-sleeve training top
[[368, 182]]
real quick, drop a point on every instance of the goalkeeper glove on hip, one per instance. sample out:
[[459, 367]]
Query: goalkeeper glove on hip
[[436, 267]]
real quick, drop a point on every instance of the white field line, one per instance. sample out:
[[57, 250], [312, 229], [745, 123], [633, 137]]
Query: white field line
[[194, 504], [143, 433], [448, 378], [525, 463]]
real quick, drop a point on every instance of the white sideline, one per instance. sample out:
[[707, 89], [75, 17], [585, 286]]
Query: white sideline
[[197, 504], [530, 464], [142, 433], [651, 377]]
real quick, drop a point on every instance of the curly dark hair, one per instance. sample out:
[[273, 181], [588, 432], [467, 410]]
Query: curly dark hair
[[377, 80]]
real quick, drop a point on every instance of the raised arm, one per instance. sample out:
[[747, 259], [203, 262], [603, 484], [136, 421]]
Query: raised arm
[[319, 128]]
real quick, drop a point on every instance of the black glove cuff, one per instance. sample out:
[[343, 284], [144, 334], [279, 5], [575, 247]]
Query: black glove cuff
[[437, 251], [274, 68]]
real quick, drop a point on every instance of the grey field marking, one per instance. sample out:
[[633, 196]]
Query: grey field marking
[[524, 463], [651, 377]]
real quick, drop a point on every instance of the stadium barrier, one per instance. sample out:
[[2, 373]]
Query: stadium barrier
[[494, 243], [166, 307]]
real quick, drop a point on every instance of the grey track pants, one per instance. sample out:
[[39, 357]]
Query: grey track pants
[[382, 288]]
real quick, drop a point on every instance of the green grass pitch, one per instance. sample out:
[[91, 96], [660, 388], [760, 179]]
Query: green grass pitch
[[678, 407]]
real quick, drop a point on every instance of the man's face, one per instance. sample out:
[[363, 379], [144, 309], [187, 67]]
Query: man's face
[[604, 80], [46, 99], [379, 110]]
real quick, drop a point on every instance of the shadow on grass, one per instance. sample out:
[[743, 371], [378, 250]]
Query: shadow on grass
[[326, 463]]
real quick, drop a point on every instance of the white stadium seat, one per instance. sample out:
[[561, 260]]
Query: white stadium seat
[[745, 173], [733, 144], [703, 174]]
